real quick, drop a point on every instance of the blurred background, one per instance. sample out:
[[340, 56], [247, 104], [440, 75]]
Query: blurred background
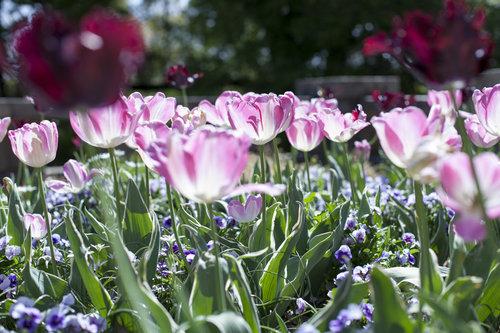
[[253, 44]]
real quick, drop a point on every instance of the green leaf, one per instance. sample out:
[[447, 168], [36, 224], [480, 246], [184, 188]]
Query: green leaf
[[15, 224], [272, 280], [149, 260], [226, 322], [240, 282], [461, 293], [37, 282], [489, 302], [96, 291], [390, 314], [202, 300], [138, 225], [261, 236]]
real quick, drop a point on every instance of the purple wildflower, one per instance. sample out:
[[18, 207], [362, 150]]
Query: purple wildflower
[[408, 238], [367, 309], [359, 235], [12, 251], [343, 254], [27, 317], [54, 320], [220, 222], [301, 305], [341, 277], [167, 222]]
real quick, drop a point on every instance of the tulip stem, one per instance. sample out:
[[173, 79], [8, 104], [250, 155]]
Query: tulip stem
[[278, 178], [116, 188], [41, 190], [220, 283], [184, 97], [263, 180], [354, 194], [174, 225], [306, 159], [423, 236], [146, 181]]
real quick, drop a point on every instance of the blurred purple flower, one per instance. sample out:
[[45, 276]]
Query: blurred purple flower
[[301, 305], [343, 254], [408, 238], [178, 76], [54, 320], [359, 235], [12, 251], [67, 64], [389, 100], [367, 310], [27, 317], [449, 48]]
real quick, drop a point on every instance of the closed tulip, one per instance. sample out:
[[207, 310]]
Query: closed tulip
[[478, 134], [35, 144], [77, 176], [245, 213], [487, 105], [262, 116], [206, 165], [305, 133], [415, 142], [37, 224], [106, 127], [4, 126], [341, 127], [458, 191]]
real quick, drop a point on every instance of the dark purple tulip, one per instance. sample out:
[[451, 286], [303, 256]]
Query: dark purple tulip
[[65, 65], [389, 100], [449, 48], [178, 76]]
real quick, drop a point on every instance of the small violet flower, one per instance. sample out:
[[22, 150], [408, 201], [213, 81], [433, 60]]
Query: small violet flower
[[343, 254], [359, 235], [301, 305], [408, 238], [12, 251]]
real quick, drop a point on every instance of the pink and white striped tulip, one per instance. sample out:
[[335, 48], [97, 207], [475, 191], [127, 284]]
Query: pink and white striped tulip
[[445, 100], [478, 134], [147, 134], [262, 116], [185, 120], [341, 127], [35, 144], [4, 126], [315, 105], [77, 176], [487, 105], [245, 213], [218, 114], [305, 133], [106, 127], [156, 108], [206, 165], [415, 142], [458, 191], [37, 224]]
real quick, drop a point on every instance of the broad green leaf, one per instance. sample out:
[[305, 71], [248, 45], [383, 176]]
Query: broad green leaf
[[149, 260], [226, 322], [37, 282], [240, 282], [261, 236], [96, 291], [489, 301], [272, 279], [138, 226], [461, 293], [390, 314], [15, 225], [204, 296]]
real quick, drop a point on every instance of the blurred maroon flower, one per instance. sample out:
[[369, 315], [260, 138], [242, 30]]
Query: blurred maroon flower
[[325, 93], [389, 100], [449, 48], [178, 76], [65, 65]]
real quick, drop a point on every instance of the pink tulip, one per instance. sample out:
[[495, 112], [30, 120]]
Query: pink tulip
[[444, 99], [315, 105], [156, 108], [341, 127], [305, 133], [362, 149], [35, 144], [4, 126], [458, 191], [206, 165], [246, 213], [185, 120], [77, 176], [478, 134], [487, 105], [218, 114], [415, 142], [261, 117], [147, 134], [106, 127], [37, 224]]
